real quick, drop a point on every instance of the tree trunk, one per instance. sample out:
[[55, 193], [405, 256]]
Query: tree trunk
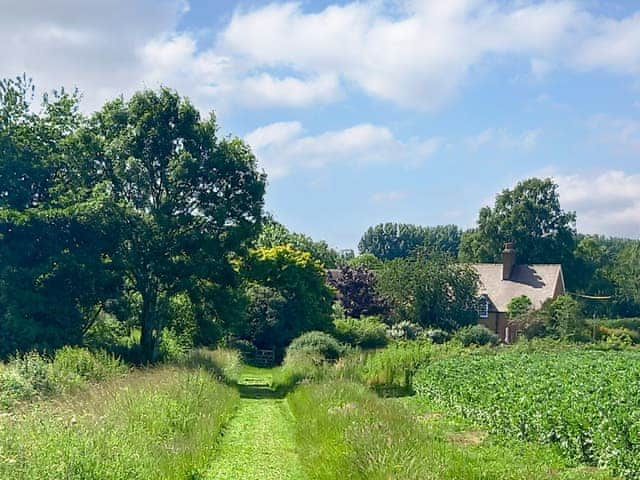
[[150, 334]]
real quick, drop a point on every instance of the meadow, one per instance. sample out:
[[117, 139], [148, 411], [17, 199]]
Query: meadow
[[413, 410]]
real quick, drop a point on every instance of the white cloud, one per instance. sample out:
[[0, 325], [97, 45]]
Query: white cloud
[[420, 56], [282, 147], [413, 53], [501, 138], [608, 203]]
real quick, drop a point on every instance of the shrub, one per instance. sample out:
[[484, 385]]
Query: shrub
[[298, 366], [318, 343], [84, 365], [364, 332], [405, 330], [436, 335], [224, 363], [33, 375], [245, 347], [172, 347], [476, 335]]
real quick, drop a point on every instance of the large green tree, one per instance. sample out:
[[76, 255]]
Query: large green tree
[[531, 217], [56, 268], [188, 200], [432, 292], [626, 272], [293, 297], [274, 233], [399, 240]]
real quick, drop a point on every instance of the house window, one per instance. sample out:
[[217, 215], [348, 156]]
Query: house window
[[483, 307]]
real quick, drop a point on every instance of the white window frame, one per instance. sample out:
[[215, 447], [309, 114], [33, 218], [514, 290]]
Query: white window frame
[[483, 307]]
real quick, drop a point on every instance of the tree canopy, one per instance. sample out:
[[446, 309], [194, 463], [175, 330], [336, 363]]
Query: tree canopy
[[187, 200], [56, 255], [531, 217], [274, 233], [432, 292], [399, 240]]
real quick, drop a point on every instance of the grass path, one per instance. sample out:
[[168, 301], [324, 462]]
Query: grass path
[[259, 441]]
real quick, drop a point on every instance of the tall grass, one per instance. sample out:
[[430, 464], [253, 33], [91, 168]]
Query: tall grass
[[161, 424], [345, 431], [32, 375], [224, 363]]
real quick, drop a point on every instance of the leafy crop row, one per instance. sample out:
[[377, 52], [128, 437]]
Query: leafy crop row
[[585, 402]]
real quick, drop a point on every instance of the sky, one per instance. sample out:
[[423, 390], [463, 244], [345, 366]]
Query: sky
[[362, 112]]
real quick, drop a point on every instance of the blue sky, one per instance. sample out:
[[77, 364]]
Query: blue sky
[[362, 112]]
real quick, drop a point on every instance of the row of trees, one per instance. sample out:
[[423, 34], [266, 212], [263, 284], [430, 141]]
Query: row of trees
[[530, 216], [118, 212], [143, 215]]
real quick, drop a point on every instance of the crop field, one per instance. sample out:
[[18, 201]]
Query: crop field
[[585, 403]]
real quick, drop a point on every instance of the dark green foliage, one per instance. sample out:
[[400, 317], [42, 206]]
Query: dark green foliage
[[530, 216], [364, 332], [595, 271], [476, 335], [56, 253], [627, 272], [316, 344], [274, 233], [187, 199], [564, 316], [519, 306], [436, 335], [356, 287], [434, 292], [264, 317], [398, 240]]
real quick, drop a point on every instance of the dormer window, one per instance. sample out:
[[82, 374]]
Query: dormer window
[[483, 306]]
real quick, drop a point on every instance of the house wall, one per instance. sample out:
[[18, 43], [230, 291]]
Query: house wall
[[491, 322], [498, 323]]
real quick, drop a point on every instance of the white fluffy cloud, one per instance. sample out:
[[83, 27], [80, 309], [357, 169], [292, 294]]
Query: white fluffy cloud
[[608, 203], [413, 53], [418, 56], [283, 147]]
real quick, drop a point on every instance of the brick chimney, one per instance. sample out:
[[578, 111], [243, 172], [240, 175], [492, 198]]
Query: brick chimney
[[508, 260]]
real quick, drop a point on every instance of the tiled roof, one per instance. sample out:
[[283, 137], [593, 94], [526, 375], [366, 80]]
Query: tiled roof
[[538, 282]]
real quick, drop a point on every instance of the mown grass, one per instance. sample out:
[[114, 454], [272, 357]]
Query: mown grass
[[163, 423], [345, 431]]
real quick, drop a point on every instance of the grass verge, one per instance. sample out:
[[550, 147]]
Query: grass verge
[[163, 424], [344, 431]]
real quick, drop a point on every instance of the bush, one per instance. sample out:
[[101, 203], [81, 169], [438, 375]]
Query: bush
[[436, 335], [298, 366], [364, 332], [224, 363], [79, 365], [405, 330], [317, 343], [172, 348], [33, 375], [476, 335], [247, 349]]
